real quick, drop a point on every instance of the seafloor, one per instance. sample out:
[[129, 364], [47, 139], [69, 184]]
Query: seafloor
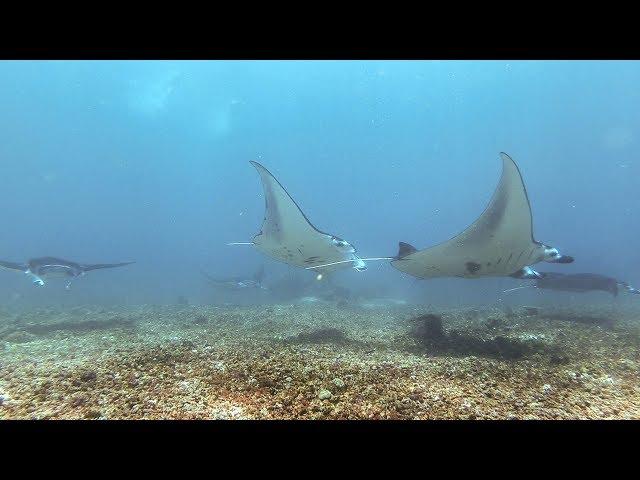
[[314, 361]]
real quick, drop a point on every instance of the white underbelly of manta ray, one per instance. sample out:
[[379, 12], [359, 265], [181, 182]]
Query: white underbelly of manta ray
[[309, 253], [287, 234], [499, 243]]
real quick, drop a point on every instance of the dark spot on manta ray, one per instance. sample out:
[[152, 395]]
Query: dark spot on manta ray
[[300, 252], [473, 267]]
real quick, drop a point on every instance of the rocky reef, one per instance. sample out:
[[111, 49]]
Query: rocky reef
[[316, 362]]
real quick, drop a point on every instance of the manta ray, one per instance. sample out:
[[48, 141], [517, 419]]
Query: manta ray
[[237, 283], [499, 243], [39, 268], [580, 283], [289, 236]]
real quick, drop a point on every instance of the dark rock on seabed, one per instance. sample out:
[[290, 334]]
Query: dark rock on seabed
[[430, 333]]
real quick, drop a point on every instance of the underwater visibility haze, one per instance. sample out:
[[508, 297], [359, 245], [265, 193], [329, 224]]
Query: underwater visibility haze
[[320, 239]]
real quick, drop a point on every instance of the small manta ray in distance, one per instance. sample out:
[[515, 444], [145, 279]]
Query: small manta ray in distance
[[237, 283], [579, 282], [46, 267]]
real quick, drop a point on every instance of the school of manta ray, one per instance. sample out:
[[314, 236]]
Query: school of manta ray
[[500, 243]]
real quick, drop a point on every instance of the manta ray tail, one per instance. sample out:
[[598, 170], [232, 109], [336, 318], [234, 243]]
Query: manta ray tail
[[405, 249], [97, 266], [349, 261], [518, 288], [14, 266]]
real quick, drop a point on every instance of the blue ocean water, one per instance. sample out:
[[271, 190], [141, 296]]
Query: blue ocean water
[[110, 161]]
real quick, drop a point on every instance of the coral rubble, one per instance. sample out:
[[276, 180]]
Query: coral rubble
[[317, 362]]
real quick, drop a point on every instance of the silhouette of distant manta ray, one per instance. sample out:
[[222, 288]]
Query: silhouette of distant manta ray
[[287, 234], [579, 283], [43, 267], [499, 243], [237, 283]]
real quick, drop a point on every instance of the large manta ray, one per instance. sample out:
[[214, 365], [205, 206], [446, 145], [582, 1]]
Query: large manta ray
[[499, 243], [40, 268], [287, 234]]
